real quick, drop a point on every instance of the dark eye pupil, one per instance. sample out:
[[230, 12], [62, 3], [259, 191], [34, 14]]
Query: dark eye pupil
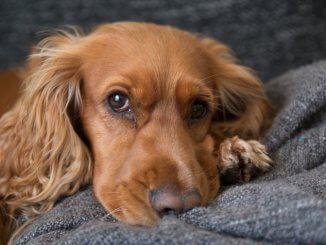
[[198, 110], [118, 102]]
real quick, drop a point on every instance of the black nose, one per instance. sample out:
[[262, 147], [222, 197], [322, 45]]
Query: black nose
[[166, 199]]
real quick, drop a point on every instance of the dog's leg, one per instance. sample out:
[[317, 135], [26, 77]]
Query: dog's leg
[[240, 160]]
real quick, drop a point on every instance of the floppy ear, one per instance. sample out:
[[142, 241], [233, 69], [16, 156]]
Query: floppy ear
[[41, 156], [243, 108]]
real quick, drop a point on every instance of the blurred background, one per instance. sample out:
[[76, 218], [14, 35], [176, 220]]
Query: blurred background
[[270, 36]]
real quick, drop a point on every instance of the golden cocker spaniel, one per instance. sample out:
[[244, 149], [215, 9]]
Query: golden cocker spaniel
[[150, 115]]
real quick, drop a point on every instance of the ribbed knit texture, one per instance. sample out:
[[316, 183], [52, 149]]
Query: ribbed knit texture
[[285, 206]]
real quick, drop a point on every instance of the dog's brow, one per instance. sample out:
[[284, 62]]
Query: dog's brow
[[118, 83], [193, 88], [189, 90]]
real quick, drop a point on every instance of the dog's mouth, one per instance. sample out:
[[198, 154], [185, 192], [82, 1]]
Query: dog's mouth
[[141, 206]]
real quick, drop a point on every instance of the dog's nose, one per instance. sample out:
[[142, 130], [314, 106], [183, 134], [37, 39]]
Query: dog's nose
[[165, 200], [191, 200]]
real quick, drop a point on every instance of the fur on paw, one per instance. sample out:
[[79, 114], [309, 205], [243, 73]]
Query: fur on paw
[[240, 160]]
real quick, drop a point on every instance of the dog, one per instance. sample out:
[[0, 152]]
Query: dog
[[152, 116]]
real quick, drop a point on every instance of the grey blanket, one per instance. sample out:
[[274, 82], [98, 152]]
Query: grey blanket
[[287, 205]]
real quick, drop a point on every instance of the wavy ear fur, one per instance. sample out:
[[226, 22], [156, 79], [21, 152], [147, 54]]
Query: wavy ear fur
[[244, 109], [41, 155]]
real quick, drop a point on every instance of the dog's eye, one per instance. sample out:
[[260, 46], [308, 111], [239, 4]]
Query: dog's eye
[[119, 102], [198, 110]]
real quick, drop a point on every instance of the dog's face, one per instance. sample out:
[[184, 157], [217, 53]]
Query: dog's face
[[150, 94], [152, 103], [149, 100]]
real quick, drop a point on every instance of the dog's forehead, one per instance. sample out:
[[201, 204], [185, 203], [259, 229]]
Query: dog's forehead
[[159, 47], [155, 59]]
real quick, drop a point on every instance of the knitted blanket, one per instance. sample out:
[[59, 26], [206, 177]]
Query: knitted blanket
[[286, 205]]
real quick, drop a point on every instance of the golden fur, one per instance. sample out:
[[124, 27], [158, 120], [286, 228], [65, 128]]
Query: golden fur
[[59, 135]]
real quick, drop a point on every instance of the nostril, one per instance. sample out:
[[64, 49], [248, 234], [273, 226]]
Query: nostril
[[192, 199], [166, 200], [167, 211]]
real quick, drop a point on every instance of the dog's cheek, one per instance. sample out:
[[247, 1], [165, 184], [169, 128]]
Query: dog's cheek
[[208, 161], [198, 131], [105, 192]]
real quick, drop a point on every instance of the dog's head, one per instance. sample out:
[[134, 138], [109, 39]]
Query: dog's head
[[151, 103]]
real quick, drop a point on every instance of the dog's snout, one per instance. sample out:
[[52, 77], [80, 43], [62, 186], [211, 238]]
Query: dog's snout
[[191, 200], [165, 200]]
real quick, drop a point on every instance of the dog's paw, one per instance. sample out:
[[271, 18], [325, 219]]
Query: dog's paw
[[240, 160]]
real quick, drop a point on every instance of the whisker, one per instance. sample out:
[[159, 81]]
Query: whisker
[[110, 213]]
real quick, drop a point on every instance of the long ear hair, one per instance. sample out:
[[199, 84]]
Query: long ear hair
[[243, 108], [41, 156]]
